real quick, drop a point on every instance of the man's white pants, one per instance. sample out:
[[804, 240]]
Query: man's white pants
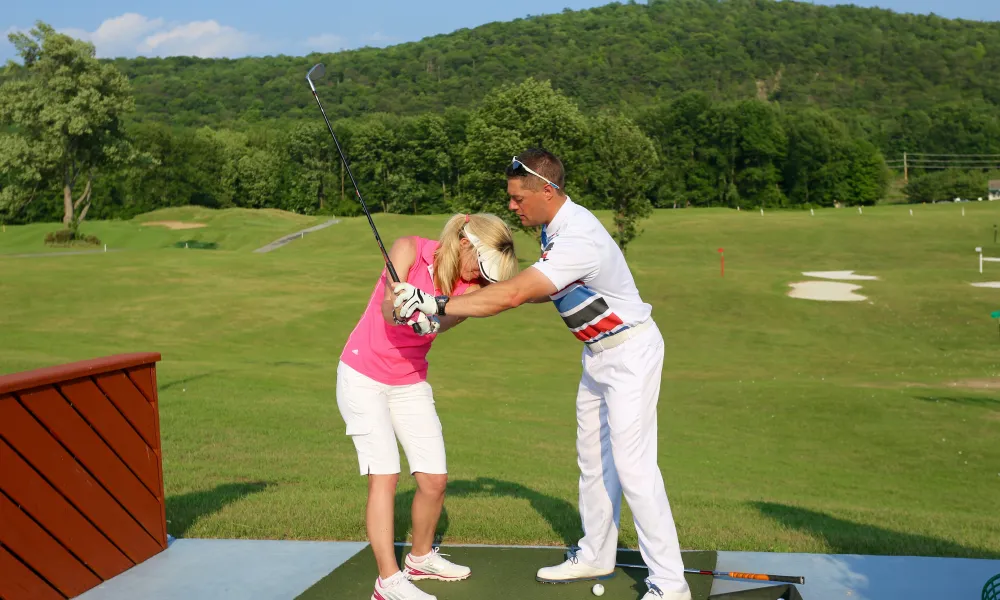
[[616, 451]]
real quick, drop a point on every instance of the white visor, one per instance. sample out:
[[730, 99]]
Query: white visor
[[489, 259]]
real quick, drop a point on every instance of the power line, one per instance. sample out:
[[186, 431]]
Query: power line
[[929, 160], [963, 155]]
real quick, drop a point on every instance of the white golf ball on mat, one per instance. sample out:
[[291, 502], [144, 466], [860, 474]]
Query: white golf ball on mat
[[598, 589]]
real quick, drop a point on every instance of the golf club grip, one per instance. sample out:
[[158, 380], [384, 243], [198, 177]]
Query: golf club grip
[[392, 270], [760, 577]]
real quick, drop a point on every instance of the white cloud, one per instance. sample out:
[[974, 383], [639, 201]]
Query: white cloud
[[118, 36], [207, 39], [133, 34], [326, 42], [380, 39]]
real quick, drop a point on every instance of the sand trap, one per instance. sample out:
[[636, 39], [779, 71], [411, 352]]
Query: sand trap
[[977, 384], [176, 224], [829, 291], [987, 284], [844, 275]]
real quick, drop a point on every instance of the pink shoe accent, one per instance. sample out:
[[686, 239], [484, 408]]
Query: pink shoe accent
[[419, 573]]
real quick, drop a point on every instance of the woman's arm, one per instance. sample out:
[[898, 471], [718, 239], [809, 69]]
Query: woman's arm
[[447, 321], [402, 254]]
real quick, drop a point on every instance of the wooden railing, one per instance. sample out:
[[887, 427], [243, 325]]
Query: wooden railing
[[81, 475]]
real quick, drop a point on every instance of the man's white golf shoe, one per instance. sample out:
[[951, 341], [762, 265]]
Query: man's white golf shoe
[[572, 570], [656, 593]]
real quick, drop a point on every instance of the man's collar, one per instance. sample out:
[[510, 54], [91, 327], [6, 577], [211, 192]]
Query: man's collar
[[560, 217]]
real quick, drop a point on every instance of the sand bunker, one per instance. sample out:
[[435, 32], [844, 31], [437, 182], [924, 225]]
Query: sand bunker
[[829, 291], [176, 224], [843, 275], [977, 384], [987, 284]]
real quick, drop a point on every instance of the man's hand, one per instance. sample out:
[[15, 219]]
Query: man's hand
[[425, 325], [410, 299]]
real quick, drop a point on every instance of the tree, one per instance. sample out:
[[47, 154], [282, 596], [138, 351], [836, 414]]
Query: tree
[[626, 162], [683, 140], [312, 155], [511, 119], [754, 145], [65, 110], [946, 185], [826, 165]]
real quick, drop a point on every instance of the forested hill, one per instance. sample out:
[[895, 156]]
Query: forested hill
[[620, 55]]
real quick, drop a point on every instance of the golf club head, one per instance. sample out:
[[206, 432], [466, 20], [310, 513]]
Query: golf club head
[[317, 72]]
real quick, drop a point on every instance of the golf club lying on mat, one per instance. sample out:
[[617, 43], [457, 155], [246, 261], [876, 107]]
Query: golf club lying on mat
[[733, 574]]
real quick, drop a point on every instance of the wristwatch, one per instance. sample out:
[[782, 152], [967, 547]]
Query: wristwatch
[[441, 301]]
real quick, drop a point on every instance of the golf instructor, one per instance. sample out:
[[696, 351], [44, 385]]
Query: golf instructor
[[584, 273], [383, 394]]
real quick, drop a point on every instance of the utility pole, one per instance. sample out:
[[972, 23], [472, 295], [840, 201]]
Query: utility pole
[[905, 174]]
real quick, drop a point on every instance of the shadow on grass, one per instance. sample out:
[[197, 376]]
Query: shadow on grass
[[847, 537], [977, 401], [563, 517], [185, 509], [196, 244]]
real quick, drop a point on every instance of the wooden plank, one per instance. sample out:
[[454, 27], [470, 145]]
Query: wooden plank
[[26, 380], [143, 378], [155, 400], [116, 432], [46, 506], [49, 407], [42, 452], [42, 552], [18, 582], [130, 401]]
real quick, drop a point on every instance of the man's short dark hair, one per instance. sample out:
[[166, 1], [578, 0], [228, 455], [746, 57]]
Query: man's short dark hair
[[542, 162]]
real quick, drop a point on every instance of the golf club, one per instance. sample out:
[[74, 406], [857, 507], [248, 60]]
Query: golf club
[[317, 72], [733, 574]]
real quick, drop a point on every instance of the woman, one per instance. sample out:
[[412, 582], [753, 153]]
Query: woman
[[383, 394]]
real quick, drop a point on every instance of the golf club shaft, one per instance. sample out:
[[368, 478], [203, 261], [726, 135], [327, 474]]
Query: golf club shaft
[[385, 255], [733, 574]]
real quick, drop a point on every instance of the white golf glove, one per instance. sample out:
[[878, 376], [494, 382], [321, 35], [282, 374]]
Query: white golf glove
[[410, 299], [425, 325]]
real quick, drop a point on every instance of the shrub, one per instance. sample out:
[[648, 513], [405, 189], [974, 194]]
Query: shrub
[[68, 237]]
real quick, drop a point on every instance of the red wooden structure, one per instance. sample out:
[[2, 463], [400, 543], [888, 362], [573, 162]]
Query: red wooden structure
[[81, 475]]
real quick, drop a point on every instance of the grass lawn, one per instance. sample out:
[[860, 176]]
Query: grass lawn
[[785, 425]]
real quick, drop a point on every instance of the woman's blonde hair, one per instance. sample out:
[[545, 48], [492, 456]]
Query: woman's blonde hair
[[492, 233]]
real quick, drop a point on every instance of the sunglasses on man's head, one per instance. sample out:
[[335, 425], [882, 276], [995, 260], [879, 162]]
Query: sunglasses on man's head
[[516, 164]]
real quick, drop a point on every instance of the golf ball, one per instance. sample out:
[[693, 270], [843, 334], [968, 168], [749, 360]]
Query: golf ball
[[598, 589]]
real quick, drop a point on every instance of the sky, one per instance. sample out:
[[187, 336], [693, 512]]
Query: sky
[[235, 28]]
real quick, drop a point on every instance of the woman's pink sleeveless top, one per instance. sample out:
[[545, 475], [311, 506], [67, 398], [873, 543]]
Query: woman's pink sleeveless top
[[395, 354]]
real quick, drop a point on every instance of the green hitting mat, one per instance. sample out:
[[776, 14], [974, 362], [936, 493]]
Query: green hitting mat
[[504, 573]]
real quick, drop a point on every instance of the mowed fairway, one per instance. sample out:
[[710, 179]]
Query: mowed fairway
[[785, 425]]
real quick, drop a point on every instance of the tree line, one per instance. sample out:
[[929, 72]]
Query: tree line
[[691, 151], [113, 157], [871, 63]]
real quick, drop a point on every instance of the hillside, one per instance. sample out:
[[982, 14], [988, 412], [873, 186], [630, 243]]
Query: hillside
[[634, 55]]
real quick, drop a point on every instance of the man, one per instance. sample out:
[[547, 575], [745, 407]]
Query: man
[[584, 273]]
